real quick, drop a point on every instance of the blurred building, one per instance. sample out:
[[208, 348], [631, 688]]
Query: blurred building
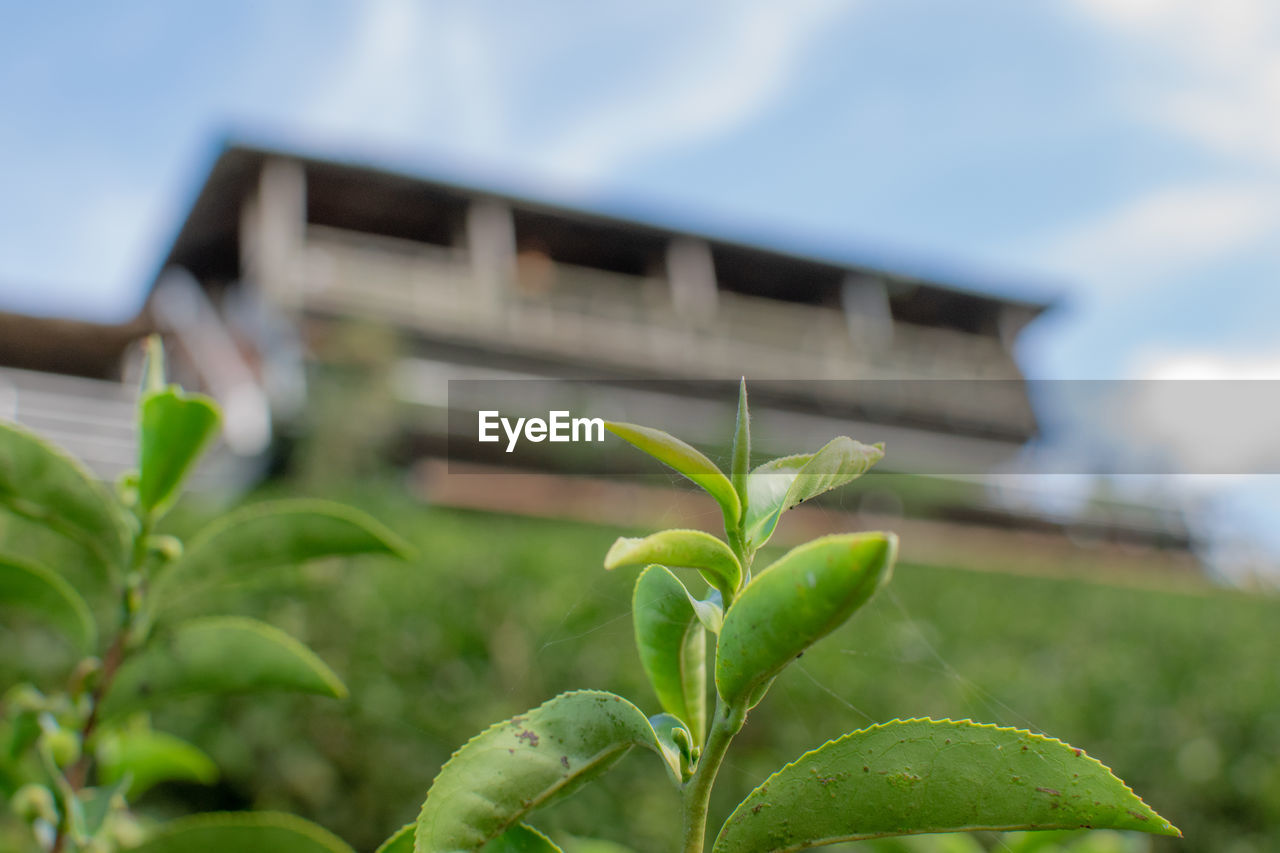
[[289, 268]]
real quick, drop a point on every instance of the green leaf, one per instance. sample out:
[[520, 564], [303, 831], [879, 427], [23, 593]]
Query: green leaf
[[580, 844], [174, 428], [676, 742], [43, 484], [153, 372], [150, 757], [93, 807], [709, 610], [688, 461], [41, 591], [400, 842], [780, 484], [932, 776], [519, 765], [686, 549], [793, 603], [741, 465], [243, 832], [673, 646], [263, 537], [218, 654], [521, 838]]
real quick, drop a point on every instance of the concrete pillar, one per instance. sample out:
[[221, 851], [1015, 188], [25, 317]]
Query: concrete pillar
[[865, 301], [491, 246], [273, 231], [691, 273]]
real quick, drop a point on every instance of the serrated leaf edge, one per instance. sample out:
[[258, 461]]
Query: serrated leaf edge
[[409, 828], [593, 762], [944, 721]]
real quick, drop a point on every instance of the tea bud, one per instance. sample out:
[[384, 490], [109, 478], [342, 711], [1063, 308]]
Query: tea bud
[[63, 746], [33, 802]]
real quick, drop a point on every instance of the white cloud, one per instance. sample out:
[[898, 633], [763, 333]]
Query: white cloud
[[1167, 230], [412, 73], [466, 82], [726, 72], [1226, 94]]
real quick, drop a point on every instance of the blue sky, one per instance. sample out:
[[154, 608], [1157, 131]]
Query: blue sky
[[1123, 155]]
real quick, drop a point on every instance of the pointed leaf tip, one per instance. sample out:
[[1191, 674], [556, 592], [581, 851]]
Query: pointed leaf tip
[[780, 484], [273, 535], [793, 603], [219, 654], [683, 549], [522, 764], [741, 465], [915, 776], [174, 429], [687, 460]]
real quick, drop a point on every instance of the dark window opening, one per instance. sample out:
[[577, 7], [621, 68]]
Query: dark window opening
[[384, 206]]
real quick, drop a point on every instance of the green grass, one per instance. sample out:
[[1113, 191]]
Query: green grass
[[1179, 693]]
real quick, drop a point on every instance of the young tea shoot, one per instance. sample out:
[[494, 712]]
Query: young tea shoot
[[901, 777]]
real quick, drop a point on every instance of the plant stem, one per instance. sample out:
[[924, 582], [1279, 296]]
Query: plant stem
[[697, 793], [78, 774]]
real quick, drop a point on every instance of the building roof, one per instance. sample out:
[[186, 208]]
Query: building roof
[[370, 199]]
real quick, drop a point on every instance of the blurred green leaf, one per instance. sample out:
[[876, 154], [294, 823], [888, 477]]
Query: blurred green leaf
[[683, 549], [242, 832], [262, 537], [521, 838], [150, 757], [400, 842], [94, 806], [780, 484], [793, 603], [673, 646], [40, 482], [174, 428], [688, 461], [218, 654], [580, 844], [42, 592], [519, 765], [931, 776]]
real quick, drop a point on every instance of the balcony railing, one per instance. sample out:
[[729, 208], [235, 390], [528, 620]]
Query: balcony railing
[[592, 316], [434, 285]]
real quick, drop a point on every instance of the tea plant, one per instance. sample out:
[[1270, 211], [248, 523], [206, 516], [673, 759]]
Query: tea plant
[[72, 759], [898, 778]]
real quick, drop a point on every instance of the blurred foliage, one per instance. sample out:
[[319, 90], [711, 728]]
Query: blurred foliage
[[1179, 693]]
